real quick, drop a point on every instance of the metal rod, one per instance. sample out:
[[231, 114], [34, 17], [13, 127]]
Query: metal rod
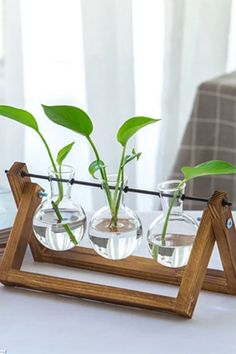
[[126, 189]]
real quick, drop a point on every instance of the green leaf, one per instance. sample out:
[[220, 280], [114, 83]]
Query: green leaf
[[129, 158], [70, 117], [63, 153], [19, 115], [131, 126], [95, 166], [214, 167]]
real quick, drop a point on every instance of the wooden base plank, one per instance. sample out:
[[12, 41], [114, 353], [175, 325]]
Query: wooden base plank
[[134, 267], [87, 290]]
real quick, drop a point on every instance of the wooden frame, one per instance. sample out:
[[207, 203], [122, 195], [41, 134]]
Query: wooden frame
[[216, 226]]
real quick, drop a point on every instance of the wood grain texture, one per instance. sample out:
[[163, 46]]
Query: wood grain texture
[[226, 240], [191, 278], [21, 230], [212, 228], [133, 266], [17, 184], [87, 290], [195, 270]]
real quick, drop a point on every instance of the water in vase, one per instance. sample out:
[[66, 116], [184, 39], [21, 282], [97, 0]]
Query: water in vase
[[174, 252], [170, 243], [52, 234], [59, 220], [118, 243]]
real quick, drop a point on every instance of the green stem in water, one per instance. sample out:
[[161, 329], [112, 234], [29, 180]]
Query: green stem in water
[[60, 188], [113, 202], [117, 204], [119, 188], [60, 192], [66, 227], [175, 195], [121, 167], [58, 213]]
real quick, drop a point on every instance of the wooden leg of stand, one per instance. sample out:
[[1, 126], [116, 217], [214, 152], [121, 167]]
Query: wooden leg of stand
[[21, 230], [195, 270], [17, 184], [225, 234]]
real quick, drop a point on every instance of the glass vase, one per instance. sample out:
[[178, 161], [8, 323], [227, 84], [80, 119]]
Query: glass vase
[[115, 235], [173, 250], [59, 223]]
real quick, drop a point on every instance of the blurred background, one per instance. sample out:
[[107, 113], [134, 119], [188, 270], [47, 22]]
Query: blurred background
[[114, 59]]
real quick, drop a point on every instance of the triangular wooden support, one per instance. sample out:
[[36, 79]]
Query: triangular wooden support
[[216, 226]]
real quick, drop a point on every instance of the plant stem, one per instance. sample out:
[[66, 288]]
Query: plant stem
[[119, 187], [119, 173], [175, 195], [117, 203], [49, 151], [104, 176], [113, 201], [60, 188], [57, 211], [60, 192], [66, 227]]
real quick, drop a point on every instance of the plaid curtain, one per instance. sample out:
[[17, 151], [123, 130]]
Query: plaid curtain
[[210, 134]]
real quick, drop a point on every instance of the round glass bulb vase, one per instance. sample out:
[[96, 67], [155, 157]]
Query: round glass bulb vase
[[175, 249], [115, 236], [59, 223]]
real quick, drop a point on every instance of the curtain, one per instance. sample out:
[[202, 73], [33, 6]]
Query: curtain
[[108, 53], [89, 56], [11, 84], [196, 49], [87, 63]]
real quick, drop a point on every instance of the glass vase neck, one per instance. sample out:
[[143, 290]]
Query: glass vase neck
[[58, 188], [170, 187], [114, 189]]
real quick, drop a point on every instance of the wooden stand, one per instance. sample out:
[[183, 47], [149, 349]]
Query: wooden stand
[[216, 226]]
